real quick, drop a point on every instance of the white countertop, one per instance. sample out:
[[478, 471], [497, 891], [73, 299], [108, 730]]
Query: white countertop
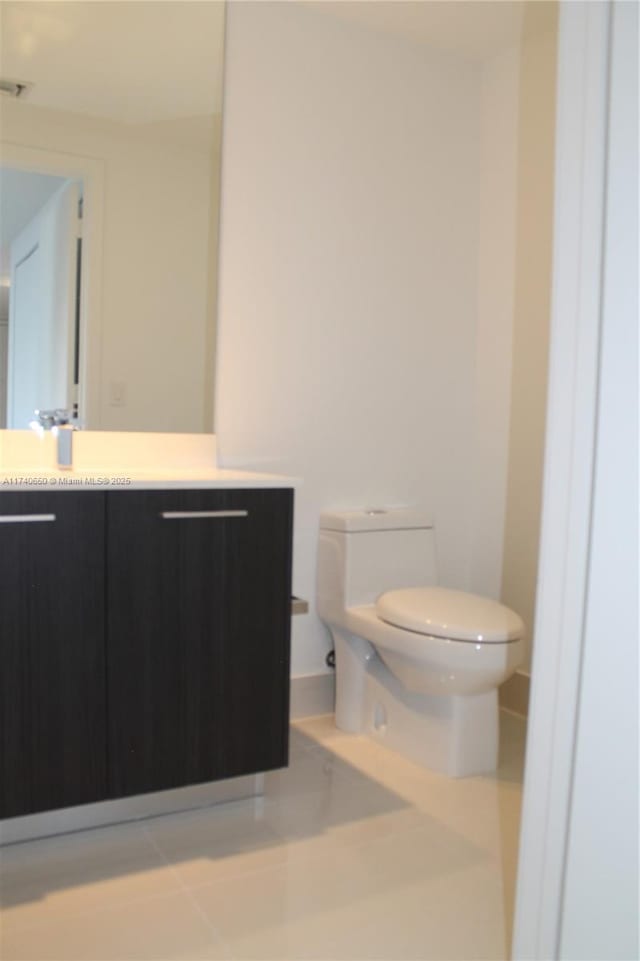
[[188, 479], [137, 461]]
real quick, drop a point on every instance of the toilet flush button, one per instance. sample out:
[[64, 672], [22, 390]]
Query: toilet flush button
[[374, 512]]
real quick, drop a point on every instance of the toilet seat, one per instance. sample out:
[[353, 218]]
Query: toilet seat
[[444, 613]]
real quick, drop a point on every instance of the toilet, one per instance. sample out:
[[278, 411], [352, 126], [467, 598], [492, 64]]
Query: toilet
[[418, 666]]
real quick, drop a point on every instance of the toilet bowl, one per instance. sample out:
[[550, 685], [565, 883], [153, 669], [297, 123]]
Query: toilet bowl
[[417, 666]]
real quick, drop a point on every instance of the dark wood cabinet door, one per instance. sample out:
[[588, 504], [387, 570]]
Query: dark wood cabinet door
[[198, 606], [52, 656]]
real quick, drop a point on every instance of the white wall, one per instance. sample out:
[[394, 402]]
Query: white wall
[[385, 247], [499, 87], [600, 917], [157, 260], [348, 277]]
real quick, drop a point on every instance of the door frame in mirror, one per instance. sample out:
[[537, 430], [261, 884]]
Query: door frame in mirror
[[91, 171]]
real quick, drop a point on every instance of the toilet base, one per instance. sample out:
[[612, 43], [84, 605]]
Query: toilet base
[[456, 735]]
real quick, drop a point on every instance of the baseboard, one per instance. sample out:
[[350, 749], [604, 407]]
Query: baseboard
[[134, 808], [312, 694], [514, 694]]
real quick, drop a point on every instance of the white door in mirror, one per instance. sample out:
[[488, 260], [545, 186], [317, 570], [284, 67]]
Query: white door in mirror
[[42, 305]]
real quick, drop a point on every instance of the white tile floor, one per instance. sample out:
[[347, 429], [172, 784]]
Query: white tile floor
[[354, 853]]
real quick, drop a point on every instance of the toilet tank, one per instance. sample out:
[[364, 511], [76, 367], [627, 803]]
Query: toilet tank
[[362, 554]]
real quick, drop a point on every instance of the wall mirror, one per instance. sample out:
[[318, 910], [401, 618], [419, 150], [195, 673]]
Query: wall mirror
[[110, 128]]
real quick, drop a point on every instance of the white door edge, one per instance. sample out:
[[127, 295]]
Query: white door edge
[[581, 136]]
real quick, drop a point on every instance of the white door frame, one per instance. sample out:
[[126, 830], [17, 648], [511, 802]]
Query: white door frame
[[581, 140], [91, 172]]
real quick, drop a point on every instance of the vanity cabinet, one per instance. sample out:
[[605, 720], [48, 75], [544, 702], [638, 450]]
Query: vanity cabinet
[[198, 607], [52, 651], [144, 641]]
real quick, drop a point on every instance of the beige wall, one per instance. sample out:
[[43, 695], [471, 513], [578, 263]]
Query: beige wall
[[532, 294]]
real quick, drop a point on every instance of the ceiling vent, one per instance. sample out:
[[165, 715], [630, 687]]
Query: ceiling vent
[[14, 88]]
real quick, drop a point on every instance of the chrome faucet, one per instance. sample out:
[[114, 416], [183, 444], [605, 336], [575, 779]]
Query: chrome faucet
[[60, 423]]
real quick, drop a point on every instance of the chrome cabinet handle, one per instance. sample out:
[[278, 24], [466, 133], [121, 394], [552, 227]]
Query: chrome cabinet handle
[[26, 518], [194, 515]]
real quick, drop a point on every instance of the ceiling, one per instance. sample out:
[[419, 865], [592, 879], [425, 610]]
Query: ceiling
[[133, 62]]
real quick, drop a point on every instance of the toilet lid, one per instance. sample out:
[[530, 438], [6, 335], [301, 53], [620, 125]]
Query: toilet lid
[[440, 612]]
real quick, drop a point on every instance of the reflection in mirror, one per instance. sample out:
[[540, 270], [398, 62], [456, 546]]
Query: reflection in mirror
[[40, 346], [109, 195]]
